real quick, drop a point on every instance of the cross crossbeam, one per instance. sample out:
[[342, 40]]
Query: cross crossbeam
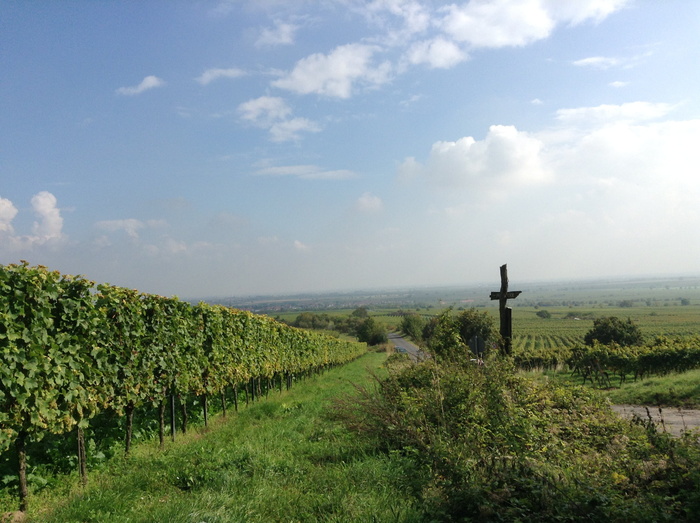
[[505, 312]]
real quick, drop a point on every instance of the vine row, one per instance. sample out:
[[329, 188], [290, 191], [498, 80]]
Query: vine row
[[71, 349]]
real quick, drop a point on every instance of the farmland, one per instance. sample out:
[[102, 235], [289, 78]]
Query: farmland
[[669, 307]]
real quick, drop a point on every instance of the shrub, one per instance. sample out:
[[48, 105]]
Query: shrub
[[496, 446], [613, 330]]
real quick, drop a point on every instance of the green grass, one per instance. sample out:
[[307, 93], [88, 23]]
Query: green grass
[[673, 390], [282, 459]]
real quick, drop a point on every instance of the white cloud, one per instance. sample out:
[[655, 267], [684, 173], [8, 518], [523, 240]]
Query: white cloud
[[288, 130], [8, 211], [130, 226], [264, 110], [438, 53], [618, 84], [505, 154], [282, 34], [150, 82], [501, 23], [369, 203], [273, 113], [629, 112], [300, 246], [210, 75], [582, 10], [48, 229], [414, 18], [335, 74], [599, 62], [50, 224], [307, 172]]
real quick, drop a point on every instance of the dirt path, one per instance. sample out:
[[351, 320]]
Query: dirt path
[[675, 420]]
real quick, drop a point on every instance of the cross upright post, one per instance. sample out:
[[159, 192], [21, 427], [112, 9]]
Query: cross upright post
[[505, 313]]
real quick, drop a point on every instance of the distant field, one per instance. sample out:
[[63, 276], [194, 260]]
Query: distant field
[[565, 328], [532, 332]]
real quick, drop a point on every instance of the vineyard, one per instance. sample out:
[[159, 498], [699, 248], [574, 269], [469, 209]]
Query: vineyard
[[72, 349]]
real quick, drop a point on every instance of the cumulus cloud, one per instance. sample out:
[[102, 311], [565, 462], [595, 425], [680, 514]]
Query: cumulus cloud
[[497, 24], [264, 110], [150, 82], [337, 73], [501, 23], [273, 113], [8, 211], [210, 75], [50, 222], [504, 154], [306, 172], [281, 34], [47, 229], [437, 53]]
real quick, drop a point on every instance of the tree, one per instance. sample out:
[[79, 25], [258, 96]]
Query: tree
[[413, 325], [613, 330], [443, 339], [544, 314], [371, 332], [474, 323]]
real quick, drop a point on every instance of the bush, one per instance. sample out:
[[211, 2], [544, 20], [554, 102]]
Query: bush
[[496, 446], [613, 330]]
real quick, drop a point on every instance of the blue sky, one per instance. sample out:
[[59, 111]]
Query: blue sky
[[218, 148]]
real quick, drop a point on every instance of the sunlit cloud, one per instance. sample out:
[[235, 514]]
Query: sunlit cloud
[[210, 75], [598, 62], [281, 34], [150, 82], [336, 74], [8, 211]]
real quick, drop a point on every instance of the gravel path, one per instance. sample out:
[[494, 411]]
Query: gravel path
[[675, 420]]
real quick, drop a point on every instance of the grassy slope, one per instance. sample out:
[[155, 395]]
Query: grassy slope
[[281, 459]]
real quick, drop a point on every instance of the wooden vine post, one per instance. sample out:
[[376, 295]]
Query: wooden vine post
[[505, 313]]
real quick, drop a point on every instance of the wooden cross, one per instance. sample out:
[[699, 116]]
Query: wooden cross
[[505, 312]]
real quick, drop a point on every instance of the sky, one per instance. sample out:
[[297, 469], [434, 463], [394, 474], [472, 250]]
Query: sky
[[211, 148]]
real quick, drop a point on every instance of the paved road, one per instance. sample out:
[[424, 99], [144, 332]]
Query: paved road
[[403, 345]]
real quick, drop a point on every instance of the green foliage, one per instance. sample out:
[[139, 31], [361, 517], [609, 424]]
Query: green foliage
[[612, 329], [70, 350], [371, 332], [497, 446], [545, 315], [278, 460], [472, 322], [447, 336], [443, 339], [412, 325]]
